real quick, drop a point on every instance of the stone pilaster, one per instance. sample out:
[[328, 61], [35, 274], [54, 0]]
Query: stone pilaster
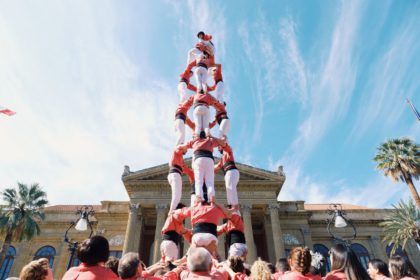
[[249, 235], [160, 221], [307, 237], [133, 231], [277, 232], [378, 251]]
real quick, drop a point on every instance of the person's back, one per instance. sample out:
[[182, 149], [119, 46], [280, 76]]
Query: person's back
[[93, 253], [401, 268]]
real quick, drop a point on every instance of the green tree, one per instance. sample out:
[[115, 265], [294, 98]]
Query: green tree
[[402, 224], [399, 159], [20, 215]]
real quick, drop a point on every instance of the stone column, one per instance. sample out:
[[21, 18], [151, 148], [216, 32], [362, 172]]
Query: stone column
[[307, 237], [378, 251], [133, 231], [160, 221], [249, 235], [277, 232]]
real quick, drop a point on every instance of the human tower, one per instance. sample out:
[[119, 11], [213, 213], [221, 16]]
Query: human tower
[[204, 212]]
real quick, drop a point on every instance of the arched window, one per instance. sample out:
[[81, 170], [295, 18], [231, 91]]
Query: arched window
[[362, 254], [325, 253], [399, 251], [8, 262], [47, 252]]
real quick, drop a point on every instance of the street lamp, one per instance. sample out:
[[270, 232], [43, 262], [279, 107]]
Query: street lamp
[[339, 220], [81, 224]]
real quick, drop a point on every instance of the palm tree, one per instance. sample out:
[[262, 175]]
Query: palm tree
[[399, 159], [20, 216], [401, 225]]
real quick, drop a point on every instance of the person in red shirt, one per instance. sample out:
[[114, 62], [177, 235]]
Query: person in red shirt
[[181, 118], [299, 261], [227, 164], [235, 237], [203, 163], [93, 253], [201, 65], [177, 167], [184, 85], [204, 45], [219, 86], [172, 231]]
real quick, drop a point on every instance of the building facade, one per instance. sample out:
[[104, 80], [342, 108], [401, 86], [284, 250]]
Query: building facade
[[272, 228]]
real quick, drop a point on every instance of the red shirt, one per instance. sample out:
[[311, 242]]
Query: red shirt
[[144, 276], [209, 100], [174, 221], [206, 214], [206, 144], [234, 223], [84, 272], [184, 107], [336, 275], [185, 78], [214, 274], [226, 157], [209, 62], [178, 159], [313, 277]]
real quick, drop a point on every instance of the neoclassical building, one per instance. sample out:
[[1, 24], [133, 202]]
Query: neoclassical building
[[272, 227]]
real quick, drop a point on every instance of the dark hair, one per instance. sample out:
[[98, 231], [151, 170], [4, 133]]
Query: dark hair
[[180, 205], [112, 264], [128, 265], [236, 264], [282, 265], [272, 268], [247, 268], [345, 260], [162, 271], [200, 33], [300, 259], [381, 266], [401, 267], [93, 250]]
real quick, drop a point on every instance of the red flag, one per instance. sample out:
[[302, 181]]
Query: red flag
[[6, 111]]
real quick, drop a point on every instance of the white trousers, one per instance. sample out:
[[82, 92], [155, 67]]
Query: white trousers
[[231, 181], [204, 172], [193, 54], [182, 91], [201, 239], [201, 74], [201, 115], [179, 131], [218, 92], [169, 250], [175, 181], [224, 127]]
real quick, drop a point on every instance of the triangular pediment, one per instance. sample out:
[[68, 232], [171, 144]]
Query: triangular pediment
[[248, 173]]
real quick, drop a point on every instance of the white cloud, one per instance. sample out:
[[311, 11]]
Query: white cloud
[[81, 114]]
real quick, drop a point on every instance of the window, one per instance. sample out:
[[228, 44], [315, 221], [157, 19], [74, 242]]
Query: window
[[361, 253], [116, 254], [8, 262], [325, 253], [47, 252], [399, 251]]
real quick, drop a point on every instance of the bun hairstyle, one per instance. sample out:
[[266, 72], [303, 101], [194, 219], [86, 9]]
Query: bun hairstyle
[[300, 260], [236, 264]]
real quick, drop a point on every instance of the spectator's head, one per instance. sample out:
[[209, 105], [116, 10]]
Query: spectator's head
[[400, 267], [36, 270], [236, 264], [260, 270], [317, 264], [112, 264], [300, 260], [93, 250], [282, 265], [272, 268], [377, 268], [345, 260], [199, 260], [129, 266]]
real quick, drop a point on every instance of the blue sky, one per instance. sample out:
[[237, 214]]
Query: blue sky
[[314, 86]]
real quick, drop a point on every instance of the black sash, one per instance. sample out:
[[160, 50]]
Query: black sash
[[235, 236], [180, 116], [171, 235], [202, 65], [205, 228], [203, 153], [229, 166], [175, 169]]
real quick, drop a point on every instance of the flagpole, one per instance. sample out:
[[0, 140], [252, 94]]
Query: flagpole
[[416, 113]]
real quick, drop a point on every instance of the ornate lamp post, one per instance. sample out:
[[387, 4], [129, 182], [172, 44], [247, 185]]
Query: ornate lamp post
[[339, 220], [81, 224]]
